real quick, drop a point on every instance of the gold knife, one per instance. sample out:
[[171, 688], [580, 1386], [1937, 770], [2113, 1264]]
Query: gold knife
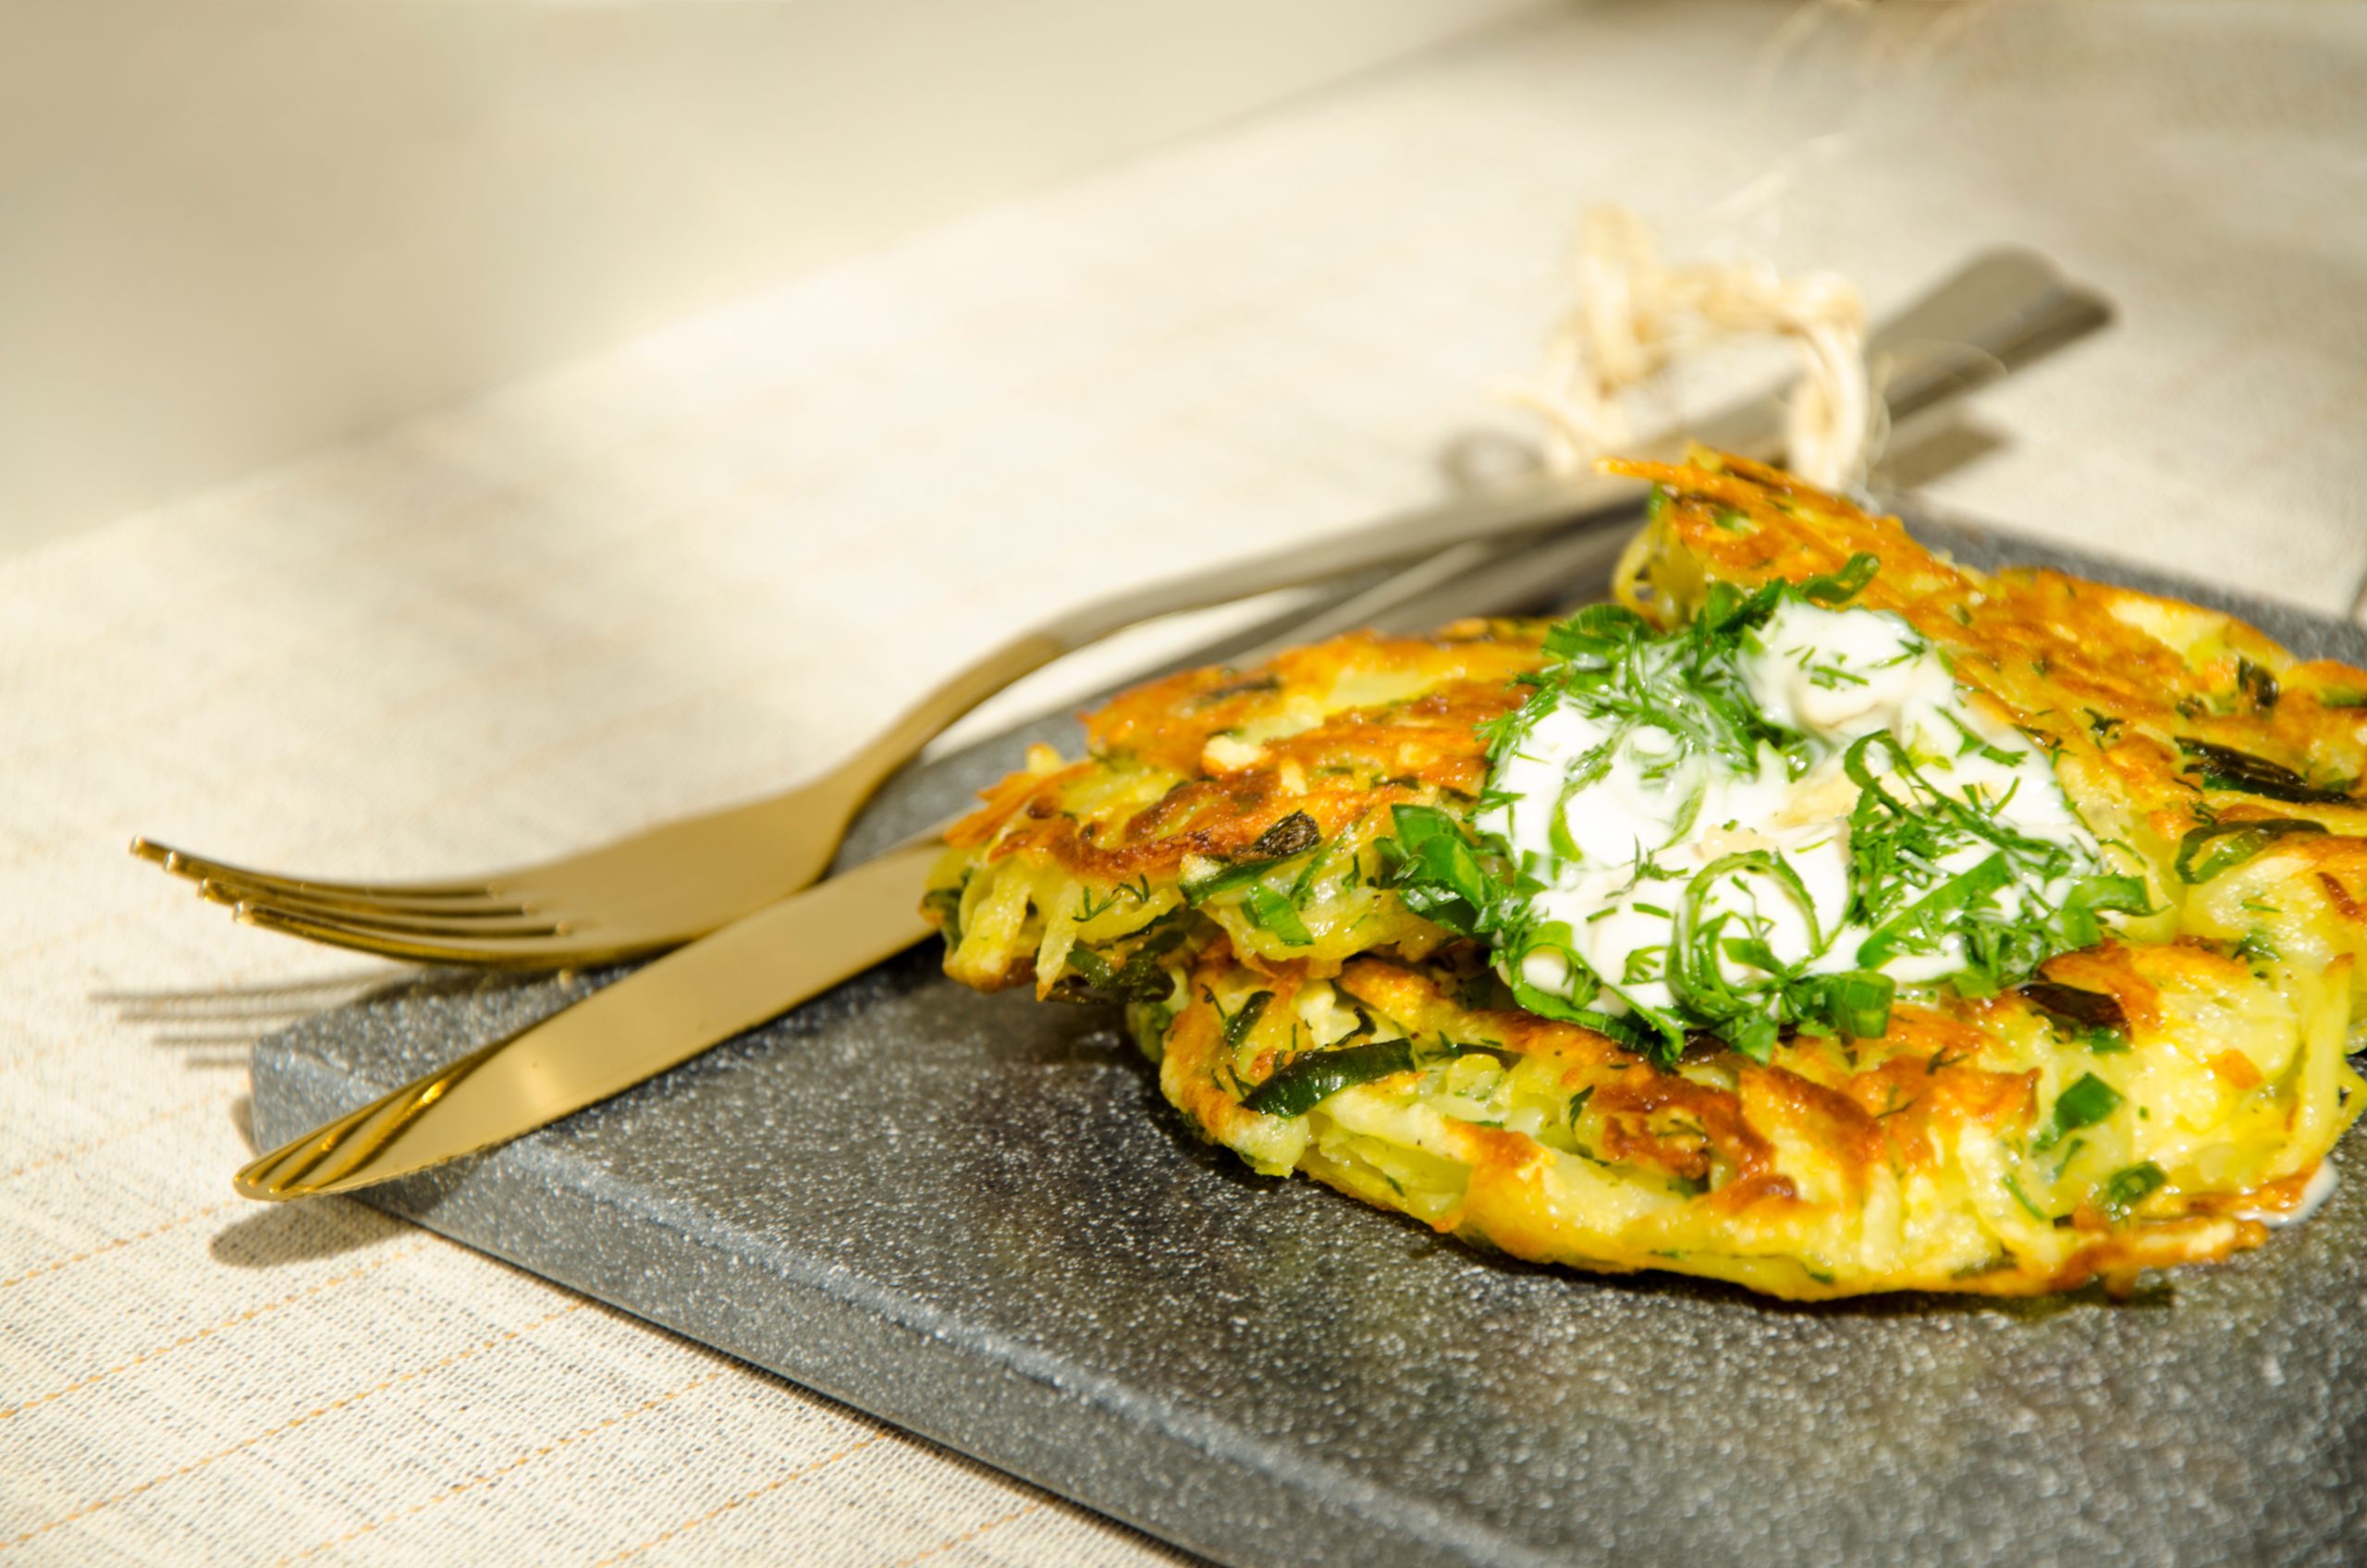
[[661, 1015], [748, 973]]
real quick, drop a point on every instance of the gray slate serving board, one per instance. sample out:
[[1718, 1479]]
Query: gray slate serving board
[[974, 1217]]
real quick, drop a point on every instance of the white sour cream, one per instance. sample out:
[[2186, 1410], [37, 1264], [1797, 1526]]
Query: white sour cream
[[1616, 853]]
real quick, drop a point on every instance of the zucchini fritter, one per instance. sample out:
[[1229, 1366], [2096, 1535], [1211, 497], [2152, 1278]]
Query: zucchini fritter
[[1251, 802], [1232, 861], [1993, 1148]]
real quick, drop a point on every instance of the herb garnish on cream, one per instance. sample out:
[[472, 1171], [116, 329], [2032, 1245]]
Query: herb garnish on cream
[[1775, 817]]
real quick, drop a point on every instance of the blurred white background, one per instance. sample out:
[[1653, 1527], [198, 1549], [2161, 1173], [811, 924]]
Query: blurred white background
[[231, 230]]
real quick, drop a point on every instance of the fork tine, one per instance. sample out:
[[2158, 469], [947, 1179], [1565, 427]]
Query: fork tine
[[520, 952], [336, 906], [199, 868], [468, 926]]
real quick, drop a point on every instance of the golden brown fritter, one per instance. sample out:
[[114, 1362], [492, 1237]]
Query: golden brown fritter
[[1221, 861], [1931, 1158], [1250, 799]]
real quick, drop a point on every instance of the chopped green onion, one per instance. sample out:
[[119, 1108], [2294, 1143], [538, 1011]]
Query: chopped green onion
[[2084, 1103], [2125, 1189], [1141, 978], [2257, 949], [1752, 1036], [1859, 1003], [1844, 585]]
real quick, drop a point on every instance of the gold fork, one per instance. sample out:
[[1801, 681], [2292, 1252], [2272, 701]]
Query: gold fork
[[670, 884]]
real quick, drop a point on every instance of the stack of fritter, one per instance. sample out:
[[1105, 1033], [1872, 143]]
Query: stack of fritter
[[1236, 861]]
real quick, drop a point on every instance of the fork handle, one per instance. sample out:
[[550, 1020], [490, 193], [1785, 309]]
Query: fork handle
[[2004, 308], [944, 704]]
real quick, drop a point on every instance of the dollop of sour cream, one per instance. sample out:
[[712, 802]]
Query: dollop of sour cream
[[1614, 819]]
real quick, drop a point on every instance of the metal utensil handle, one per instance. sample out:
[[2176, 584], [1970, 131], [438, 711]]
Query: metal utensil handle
[[2001, 310]]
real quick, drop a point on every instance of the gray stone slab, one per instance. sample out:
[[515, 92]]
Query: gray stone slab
[[974, 1216]]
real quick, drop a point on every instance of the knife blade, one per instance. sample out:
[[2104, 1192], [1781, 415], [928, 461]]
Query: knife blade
[[657, 1017]]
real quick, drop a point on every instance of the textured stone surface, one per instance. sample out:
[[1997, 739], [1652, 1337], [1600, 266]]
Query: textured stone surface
[[973, 1215]]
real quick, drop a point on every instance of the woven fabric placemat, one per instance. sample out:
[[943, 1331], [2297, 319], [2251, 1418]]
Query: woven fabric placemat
[[676, 574]]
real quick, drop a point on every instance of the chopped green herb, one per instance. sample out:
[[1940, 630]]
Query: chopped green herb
[[2091, 1018], [1237, 689], [945, 903], [1832, 677], [2086, 1102], [1859, 1003], [1138, 892], [1293, 835], [2257, 949], [2023, 1198], [1141, 978], [1840, 587], [1238, 1023], [1975, 746], [2224, 768], [1306, 1082], [1270, 911], [1287, 839], [2206, 852], [2126, 1188], [1097, 970], [2256, 684], [1436, 871]]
